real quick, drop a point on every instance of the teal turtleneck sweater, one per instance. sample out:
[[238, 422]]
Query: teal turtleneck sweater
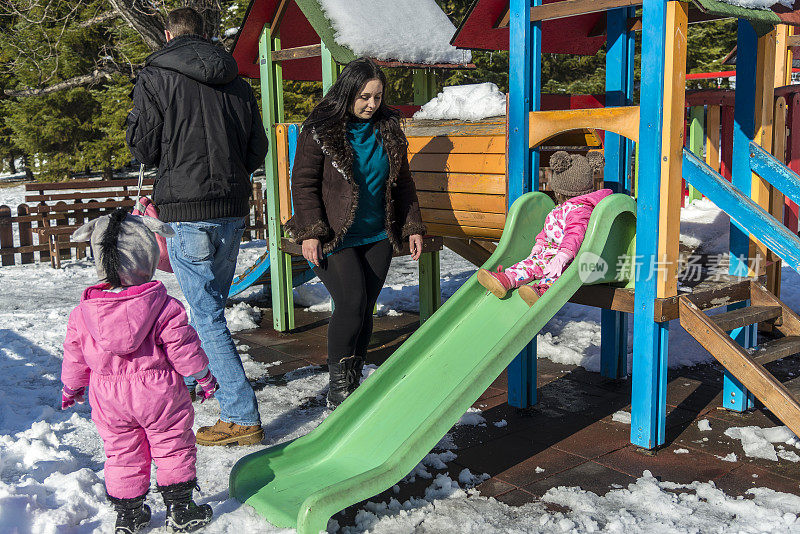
[[370, 172]]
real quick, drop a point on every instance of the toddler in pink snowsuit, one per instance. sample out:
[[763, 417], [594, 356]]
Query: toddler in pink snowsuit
[[564, 229], [131, 344]]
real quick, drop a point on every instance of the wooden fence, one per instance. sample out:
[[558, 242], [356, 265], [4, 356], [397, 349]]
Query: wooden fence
[[27, 248]]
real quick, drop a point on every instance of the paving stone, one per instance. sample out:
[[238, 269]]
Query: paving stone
[[516, 497], [595, 440], [589, 476], [741, 479], [666, 465], [541, 465], [693, 395], [493, 487]]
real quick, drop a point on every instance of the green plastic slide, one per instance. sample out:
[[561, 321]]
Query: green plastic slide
[[397, 416]]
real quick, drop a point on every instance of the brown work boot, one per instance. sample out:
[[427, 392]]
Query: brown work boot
[[223, 433]]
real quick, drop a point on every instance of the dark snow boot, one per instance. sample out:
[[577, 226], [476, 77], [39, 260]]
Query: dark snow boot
[[183, 515], [344, 379], [358, 368], [132, 514]]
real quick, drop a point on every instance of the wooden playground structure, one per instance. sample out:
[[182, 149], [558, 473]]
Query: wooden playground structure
[[481, 181], [469, 174]]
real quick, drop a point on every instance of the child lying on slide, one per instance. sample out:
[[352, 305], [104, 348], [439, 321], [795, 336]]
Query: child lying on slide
[[563, 232]]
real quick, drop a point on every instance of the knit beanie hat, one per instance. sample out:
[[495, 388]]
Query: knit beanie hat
[[573, 174], [124, 246]]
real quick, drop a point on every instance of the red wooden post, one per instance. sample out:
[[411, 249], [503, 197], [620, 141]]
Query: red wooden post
[[726, 143], [6, 235], [44, 255], [790, 212], [25, 233]]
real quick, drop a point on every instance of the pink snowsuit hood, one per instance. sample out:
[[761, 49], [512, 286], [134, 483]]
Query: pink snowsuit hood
[[119, 322]]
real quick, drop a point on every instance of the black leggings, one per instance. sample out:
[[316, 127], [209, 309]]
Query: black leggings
[[354, 277]]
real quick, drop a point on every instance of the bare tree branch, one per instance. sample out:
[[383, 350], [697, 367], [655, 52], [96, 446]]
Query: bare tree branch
[[99, 19], [148, 23], [78, 81]]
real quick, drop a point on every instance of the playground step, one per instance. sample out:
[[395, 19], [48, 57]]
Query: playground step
[[748, 368], [777, 349], [746, 316]]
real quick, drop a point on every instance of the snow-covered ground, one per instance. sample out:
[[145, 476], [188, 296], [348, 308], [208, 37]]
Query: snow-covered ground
[[51, 462]]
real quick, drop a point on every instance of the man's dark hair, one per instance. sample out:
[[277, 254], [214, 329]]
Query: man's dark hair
[[184, 21], [335, 105]]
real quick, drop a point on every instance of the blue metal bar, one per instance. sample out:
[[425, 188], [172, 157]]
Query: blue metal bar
[[630, 145], [782, 177], [743, 134], [746, 214], [613, 324], [734, 395], [524, 65], [650, 341]]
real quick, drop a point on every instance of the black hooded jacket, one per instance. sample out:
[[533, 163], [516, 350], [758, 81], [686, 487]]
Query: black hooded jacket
[[199, 122]]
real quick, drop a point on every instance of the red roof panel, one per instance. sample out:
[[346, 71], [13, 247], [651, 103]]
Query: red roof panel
[[295, 30], [559, 36]]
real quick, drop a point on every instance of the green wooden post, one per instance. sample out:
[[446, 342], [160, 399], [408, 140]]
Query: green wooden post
[[272, 112], [697, 137], [430, 291], [330, 69]]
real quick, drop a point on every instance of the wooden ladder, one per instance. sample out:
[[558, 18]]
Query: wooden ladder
[[747, 365]]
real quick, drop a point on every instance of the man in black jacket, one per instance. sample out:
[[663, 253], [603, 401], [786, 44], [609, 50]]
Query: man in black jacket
[[199, 122]]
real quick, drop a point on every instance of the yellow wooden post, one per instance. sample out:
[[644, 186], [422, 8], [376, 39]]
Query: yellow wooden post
[[777, 200], [761, 191], [672, 148]]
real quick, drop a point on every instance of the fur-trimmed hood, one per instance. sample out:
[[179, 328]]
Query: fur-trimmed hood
[[325, 194]]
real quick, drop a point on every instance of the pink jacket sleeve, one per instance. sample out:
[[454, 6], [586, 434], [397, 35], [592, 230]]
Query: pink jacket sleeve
[[179, 340], [575, 230], [74, 371]]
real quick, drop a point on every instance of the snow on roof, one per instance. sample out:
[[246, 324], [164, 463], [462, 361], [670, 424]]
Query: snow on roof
[[465, 102], [758, 4], [413, 31]]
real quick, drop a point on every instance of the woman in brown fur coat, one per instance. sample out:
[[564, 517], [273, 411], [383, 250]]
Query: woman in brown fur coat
[[354, 203]]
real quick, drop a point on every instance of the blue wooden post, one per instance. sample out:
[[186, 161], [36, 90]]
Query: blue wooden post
[[525, 42], [613, 324], [735, 396], [650, 342]]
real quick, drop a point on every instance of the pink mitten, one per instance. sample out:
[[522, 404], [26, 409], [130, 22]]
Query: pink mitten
[[537, 249], [70, 396], [556, 265], [209, 385]]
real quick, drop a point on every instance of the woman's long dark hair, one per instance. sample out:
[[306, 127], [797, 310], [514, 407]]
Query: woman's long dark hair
[[335, 105]]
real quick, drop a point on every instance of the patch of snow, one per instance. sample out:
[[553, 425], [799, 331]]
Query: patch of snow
[[465, 102], [501, 423], [730, 457], [757, 442], [472, 417], [242, 317], [466, 478], [413, 31], [622, 417], [539, 469], [704, 425], [758, 4], [681, 451]]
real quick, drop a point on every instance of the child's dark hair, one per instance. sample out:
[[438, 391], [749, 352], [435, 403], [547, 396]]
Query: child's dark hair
[[335, 105], [109, 253]]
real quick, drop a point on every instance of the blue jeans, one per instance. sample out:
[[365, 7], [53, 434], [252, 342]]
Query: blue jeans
[[203, 256]]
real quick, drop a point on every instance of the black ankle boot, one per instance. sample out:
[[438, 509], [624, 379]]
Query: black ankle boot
[[358, 368], [132, 514], [344, 377], [183, 515]]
